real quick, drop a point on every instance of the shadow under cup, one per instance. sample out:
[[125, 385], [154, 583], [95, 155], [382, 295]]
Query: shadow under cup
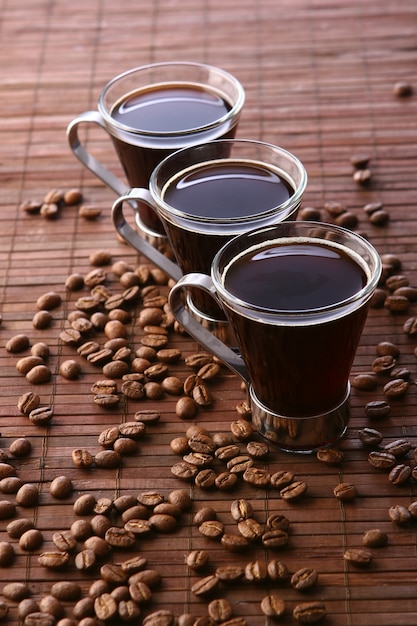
[[297, 296]]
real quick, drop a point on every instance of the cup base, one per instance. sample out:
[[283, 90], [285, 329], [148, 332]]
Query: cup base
[[219, 328], [301, 435]]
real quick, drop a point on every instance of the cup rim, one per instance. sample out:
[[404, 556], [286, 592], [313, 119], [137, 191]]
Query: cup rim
[[293, 201], [302, 315], [232, 113]]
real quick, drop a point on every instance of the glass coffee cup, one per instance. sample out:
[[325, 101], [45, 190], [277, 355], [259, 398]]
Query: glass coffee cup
[[296, 295], [152, 111], [205, 195]]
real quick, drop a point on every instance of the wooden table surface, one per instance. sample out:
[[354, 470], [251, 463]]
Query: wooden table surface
[[320, 80]]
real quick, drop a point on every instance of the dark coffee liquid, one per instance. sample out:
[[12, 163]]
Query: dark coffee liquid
[[170, 112], [225, 190], [297, 370]]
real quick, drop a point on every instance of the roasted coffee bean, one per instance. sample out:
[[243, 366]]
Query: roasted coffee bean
[[81, 529], [180, 498], [25, 364], [134, 429], [375, 538], [173, 385], [205, 479], [197, 559], [205, 514], [275, 538], [61, 487], [20, 447], [40, 618], [345, 492], [15, 591], [383, 364], [365, 382], [250, 529], [410, 326], [18, 343], [6, 470], [140, 592], [370, 437], [304, 578], [257, 449], [138, 526], [28, 402], [84, 504], [150, 499], [133, 565], [53, 560], [7, 554], [150, 577], [273, 606], [256, 571], [66, 591], [27, 495], [51, 606], [113, 573], [212, 529], [147, 416], [85, 560], [27, 606], [41, 416], [358, 556], [396, 388], [201, 443], [184, 470], [17, 527], [234, 543], [31, 539], [238, 464], [330, 456], [400, 474], [382, 460], [119, 537], [84, 608], [198, 459], [48, 301], [310, 612], [227, 452], [377, 409], [105, 607], [257, 476], [220, 610], [82, 458], [202, 395], [277, 570], [205, 586], [10, 484], [241, 509], [108, 459], [282, 479], [398, 447], [293, 491], [163, 523], [226, 481], [64, 540], [277, 521], [399, 514], [242, 430], [229, 573], [186, 408], [42, 320]]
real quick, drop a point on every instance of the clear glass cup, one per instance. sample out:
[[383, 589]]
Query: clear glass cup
[[296, 295], [152, 111]]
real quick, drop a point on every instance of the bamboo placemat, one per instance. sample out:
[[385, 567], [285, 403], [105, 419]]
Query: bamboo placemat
[[319, 80]]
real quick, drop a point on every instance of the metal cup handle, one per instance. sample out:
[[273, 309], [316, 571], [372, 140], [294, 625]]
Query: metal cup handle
[[87, 159], [132, 237], [204, 337]]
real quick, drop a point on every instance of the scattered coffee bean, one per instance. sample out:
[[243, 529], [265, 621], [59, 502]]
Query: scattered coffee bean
[[399, 514], [304, 578], [358, 556], [309, 612], [345, 492], [375, 538]]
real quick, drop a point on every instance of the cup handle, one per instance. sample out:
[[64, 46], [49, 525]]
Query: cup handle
[[204, 337], [137, 242], [87, 159]]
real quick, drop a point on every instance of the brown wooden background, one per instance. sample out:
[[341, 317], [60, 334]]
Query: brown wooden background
[[319, 80]]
